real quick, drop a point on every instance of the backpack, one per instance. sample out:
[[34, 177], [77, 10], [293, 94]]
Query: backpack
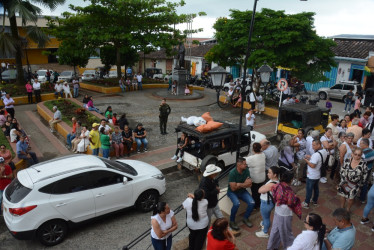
[[325, 163]]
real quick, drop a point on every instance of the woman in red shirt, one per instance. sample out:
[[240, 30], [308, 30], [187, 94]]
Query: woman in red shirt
[[6, 177], [220, 237]]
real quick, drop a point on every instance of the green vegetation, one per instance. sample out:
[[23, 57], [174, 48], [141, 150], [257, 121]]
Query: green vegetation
[[70, 109], [20, 90], [286, 40]]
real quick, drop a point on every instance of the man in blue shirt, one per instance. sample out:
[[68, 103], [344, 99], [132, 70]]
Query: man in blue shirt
[[23, 153], [368, 157], [343, 235]]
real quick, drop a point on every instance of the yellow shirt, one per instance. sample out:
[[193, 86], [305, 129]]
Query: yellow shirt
[[95, 137]]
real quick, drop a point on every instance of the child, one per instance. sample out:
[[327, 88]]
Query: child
[[328, 105], [114, 119], [174, 88], [187, 90]]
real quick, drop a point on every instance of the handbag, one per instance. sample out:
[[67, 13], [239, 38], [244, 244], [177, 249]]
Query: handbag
[[347, 187], [331, 160]]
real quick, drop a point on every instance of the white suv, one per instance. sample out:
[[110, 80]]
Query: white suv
[[45, 198]]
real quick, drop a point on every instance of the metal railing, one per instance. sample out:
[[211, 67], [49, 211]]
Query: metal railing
[[146, 233]]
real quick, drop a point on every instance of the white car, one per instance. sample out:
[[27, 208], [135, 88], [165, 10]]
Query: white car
[[113, 74], [89, 75], [42, 75], [66, 76], [46, 197]]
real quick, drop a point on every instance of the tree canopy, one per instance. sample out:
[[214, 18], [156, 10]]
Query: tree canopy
[[287, 40], [129, 25]]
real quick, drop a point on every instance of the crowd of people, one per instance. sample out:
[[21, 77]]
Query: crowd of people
[[343, 155], [108, 135]]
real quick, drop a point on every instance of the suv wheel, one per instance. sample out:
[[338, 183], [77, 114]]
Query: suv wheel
[[52, 232], [209, 159], [147, 201], [322, 95]]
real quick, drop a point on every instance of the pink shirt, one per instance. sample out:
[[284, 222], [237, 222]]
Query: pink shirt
[[28, 87], [357, 104], [90, 104]]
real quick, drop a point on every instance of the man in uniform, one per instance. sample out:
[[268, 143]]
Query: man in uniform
[[164, 113]]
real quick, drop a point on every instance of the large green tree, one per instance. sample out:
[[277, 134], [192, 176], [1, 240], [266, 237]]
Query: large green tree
[[130, 25], [71, 51], [28, 12], [287, 40]]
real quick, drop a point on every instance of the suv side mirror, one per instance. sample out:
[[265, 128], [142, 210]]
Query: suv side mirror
[[125, 180]]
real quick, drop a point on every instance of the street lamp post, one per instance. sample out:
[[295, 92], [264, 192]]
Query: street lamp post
[[244, 83], [218, 75]]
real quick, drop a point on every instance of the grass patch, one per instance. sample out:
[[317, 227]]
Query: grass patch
[[70, 109], [4, 140]]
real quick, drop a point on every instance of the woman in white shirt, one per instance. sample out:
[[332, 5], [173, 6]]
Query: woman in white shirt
[[163, 224], [267, 203], [312, 237], [197, 219], [256, 167], [84, 142]]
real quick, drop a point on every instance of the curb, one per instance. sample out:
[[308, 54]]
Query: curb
[[24, 99]]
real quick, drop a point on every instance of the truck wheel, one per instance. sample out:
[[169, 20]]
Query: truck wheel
[[209, 159]]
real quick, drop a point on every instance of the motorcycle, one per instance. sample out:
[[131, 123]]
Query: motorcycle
[[299, 87]]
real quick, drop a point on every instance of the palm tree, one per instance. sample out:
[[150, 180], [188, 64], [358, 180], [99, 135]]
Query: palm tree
[[12, 43]]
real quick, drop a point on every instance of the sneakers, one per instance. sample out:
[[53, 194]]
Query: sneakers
[[138, 151], [247, 222], [293, 182], [297, 183], [234, 226], [323, 180], [145, 150], [261, 234], [364, 221], [305, 205], [344, 110], [314, 203], [174, 157], [179, 160]]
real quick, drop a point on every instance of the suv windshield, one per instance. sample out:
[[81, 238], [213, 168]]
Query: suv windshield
[[120, 166], [41, 72], [16, 191]]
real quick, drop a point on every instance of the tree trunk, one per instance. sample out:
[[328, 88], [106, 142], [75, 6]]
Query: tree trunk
[[118, 63], [13, 26]]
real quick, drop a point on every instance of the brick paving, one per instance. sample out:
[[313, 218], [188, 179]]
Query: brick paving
[[327, 203]]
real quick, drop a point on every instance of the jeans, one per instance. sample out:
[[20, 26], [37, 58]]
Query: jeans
[[140, 87], [29, 97], [123, 88], [244, 196], [1, 200], [216, 211], [348, 102], [364, 189], [76, 92], [370, 203], [162, 244], [94, 109], [106, 152], [265, 210], [32, 160], [312, 185], [61, 94], [69, 138], [139, 142], [95, 151]]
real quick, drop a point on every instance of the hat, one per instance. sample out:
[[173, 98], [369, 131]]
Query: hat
[[211, 169], [65, 82], [61, 81], [1, 160], [95, 124]]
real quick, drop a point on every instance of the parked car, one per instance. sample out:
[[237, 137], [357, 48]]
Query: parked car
[[89, 75], [308, 117], [154, 73], [66, 76], [9, 75], [216, 147], [46, 198], [42, 75], [340, 90], [113, 74]]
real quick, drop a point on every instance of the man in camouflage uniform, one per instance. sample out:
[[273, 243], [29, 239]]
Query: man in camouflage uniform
[[164, 113]]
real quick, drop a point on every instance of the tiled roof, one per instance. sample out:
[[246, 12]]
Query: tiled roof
[[198, 51], [353, 48]]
